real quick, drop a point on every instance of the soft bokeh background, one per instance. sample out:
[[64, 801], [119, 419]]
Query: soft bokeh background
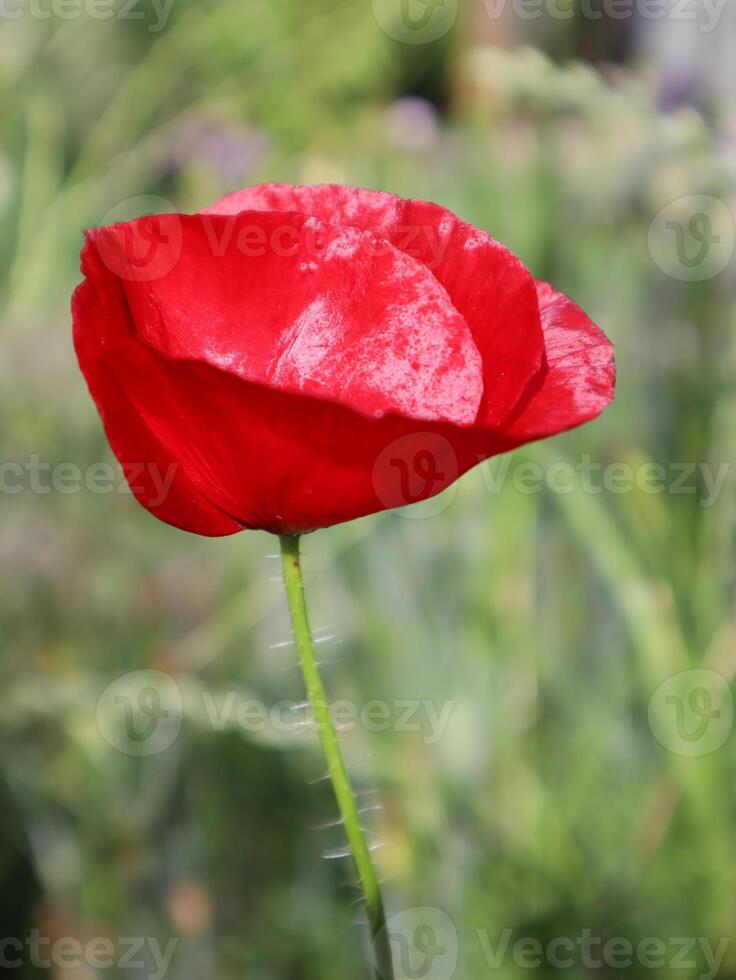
[[546, 621]]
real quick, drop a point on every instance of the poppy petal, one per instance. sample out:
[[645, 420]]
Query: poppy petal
[[219, 365], [487, 284], [154, 475], [282, 300], [581, 374]]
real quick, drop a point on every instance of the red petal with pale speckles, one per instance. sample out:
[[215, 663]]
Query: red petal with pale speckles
[[297, 357]]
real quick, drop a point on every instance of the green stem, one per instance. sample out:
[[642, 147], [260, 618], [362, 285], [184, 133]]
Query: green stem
[[333, 756]]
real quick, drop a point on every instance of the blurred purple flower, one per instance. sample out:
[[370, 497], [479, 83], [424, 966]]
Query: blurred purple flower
[[232, 151], [412, 124], [680, 89]]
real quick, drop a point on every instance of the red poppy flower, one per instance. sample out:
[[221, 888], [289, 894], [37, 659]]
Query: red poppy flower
[[301, 356]]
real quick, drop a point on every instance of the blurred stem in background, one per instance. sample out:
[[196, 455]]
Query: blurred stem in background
[[336, 769]]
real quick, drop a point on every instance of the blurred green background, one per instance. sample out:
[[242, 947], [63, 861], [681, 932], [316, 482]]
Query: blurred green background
[[563, 793]]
